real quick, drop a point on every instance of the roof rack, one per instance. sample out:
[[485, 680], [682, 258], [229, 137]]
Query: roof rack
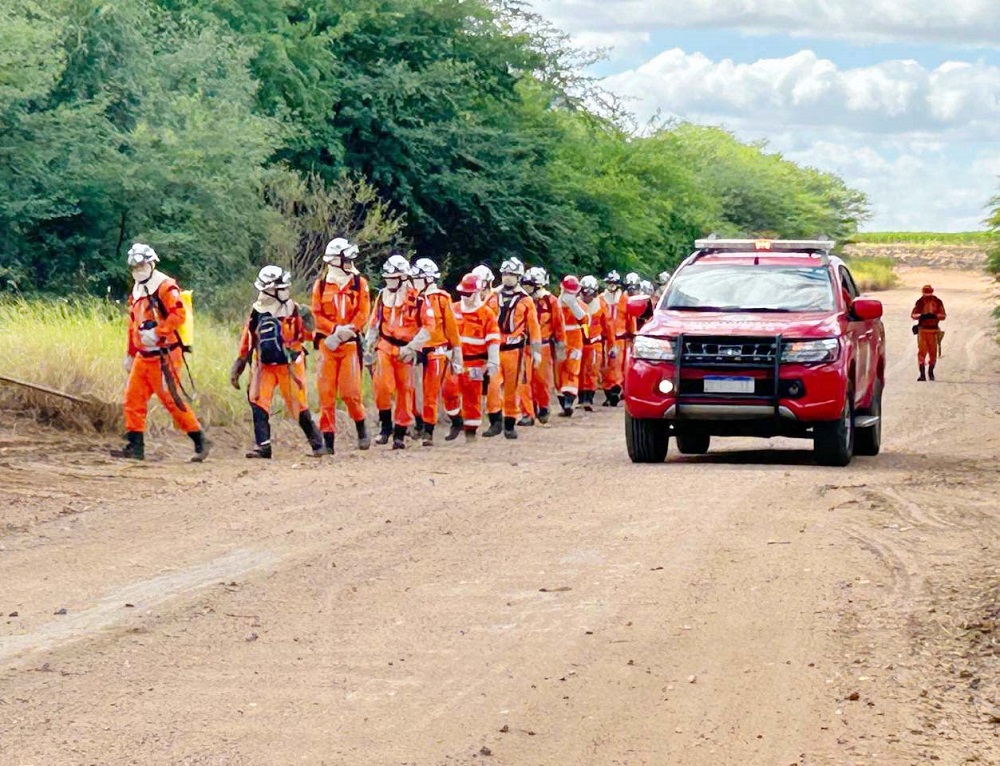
[[758, 247]]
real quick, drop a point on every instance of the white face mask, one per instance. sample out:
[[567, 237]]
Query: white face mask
[[510, 280], [469, 302], [142, 272], [420, 284], [393, 284], [283, 294]]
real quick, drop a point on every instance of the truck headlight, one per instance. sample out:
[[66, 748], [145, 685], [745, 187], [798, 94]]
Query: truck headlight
[[654, 349], [811, 351]]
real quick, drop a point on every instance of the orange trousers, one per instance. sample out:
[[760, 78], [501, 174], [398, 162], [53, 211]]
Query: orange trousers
[[495, 391], [590, 366], [927, 346], [339, 376], [433, 382], [613, 374], [146, 379], [289, 379], [542, 381], [514, 370], [472, 398], [394, 380], [568, 370], [451, 392], [525, 395]]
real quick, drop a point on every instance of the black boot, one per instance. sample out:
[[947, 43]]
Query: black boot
[[496, 425], [923, 374], [364, 440], [527, 421], [508, 428], [312, 433], [385, 426], [399, 437], [543, 415], [456, 428], [567, 405], [259, 451], [417, 432], [587, 400], [202, 446], [428, 436], [329, 441], [930, 372], [134, 448], [470, 434]]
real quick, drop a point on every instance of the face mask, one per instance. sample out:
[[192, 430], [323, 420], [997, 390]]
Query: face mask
[[142, 272], [509, 280], [469, 302], [393, 283], [420, 285], [283, 295]]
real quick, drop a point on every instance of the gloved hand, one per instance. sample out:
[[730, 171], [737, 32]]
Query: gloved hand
[[576, 354], [369, 359], [407, 355], [345, 333], [127, 363], [536, 358], [457, 362], [492, 368], [613, 352], [149, 338], [928, 315], [560, 352], [332, 342], [237, 369]]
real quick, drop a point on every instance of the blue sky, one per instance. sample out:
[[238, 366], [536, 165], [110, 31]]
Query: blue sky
[[900, 97]]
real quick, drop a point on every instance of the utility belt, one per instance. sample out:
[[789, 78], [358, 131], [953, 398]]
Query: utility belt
[[393, 341], [593, 341], [476, 358], [145, 354], [423, 357], [513, 346], [625, 336]]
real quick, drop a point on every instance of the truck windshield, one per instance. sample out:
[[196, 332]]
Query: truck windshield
[[726, 287]]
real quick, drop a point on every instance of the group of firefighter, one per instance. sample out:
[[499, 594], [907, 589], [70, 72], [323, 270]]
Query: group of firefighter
[[502, 350]]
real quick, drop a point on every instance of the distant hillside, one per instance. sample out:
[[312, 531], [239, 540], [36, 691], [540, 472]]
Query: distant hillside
[[933, 254]]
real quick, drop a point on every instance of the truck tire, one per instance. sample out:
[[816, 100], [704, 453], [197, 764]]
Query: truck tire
[[647, 441], [692, 442], [833, 440], [868, 441]]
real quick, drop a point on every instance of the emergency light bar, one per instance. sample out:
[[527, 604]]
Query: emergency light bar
[[766, 245]]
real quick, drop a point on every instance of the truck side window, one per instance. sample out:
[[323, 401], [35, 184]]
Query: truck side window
[[847, 282]]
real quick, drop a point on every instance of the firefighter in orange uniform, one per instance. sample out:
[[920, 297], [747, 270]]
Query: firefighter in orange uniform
[[340, 306], [553, 339], [615, 304], [479, 333], [568, 364], [443, 347], [155, 356], [397, 338], [273, 344], [596, 343], [929, 313]]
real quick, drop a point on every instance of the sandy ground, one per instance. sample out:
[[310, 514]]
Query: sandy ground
[[534, 602]]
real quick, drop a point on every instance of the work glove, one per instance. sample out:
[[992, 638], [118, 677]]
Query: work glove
[[576, 354], [613, 352], [457, 362], [536, 354], [928, 315], [492, 368], [407, 355], [369, 359], [332, 342], [345, 333], [560, 352], [149, 338], [127, 363], [236, 371]]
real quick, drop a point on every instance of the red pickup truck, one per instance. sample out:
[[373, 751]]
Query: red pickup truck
[[757, 338]]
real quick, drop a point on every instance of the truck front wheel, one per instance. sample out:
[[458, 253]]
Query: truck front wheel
[[647, 441], [833, 440]]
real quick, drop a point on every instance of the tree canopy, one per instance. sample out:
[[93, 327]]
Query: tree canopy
[[231, 132]]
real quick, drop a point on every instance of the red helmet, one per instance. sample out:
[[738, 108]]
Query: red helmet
[[571, 284], [469, 285]]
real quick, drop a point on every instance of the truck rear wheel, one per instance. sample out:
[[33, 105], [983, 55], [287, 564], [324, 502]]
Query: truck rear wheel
[[868, 440], [833, 440], [647, 441], [692, 442]]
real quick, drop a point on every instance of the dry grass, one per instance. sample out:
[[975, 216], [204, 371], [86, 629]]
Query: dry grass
[[873, 274]]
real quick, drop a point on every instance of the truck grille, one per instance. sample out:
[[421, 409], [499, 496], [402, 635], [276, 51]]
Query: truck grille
[[729, 352]]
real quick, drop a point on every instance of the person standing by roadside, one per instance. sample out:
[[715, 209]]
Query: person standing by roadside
[[929, 313]]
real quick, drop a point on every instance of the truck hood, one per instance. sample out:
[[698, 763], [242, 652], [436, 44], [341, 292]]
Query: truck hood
[[795, 325]]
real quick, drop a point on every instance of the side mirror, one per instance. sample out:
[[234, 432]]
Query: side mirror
[[866, 309], [637, 306]]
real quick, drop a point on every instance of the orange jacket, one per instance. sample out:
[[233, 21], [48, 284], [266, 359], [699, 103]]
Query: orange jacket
[[599, 328], [164, 307], [573, 328], [335, 306], [929, 304], [517, 319], [617, 314], [551, 323], [438, 318], [478, 330], [293, 333], [396, 325]]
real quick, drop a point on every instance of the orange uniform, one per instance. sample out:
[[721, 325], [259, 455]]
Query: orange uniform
[[438, 318], [494, 392], [552, 333], [594, 349], [156, 370], [290, 378], [335, 306], [613, 373], [479, 332], [568, 370], [396, 326], [519, 332], [928, 327]]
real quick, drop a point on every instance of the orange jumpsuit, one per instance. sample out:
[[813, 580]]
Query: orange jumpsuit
[[568, 371], [594, 348], [927, 335], [438, 318], [494, 392], [519, 331], [289, 379], [396, 326], [157, 371], [340, 371], [478, 331], [613, 373], [552, 331]]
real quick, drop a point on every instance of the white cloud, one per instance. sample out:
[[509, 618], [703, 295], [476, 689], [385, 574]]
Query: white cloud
[[961, 22], [955, 100]]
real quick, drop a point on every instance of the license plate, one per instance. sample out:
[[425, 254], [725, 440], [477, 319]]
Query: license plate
[[718, 385]]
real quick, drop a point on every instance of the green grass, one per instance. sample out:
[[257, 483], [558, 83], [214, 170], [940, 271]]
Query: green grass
[[78, 346], [925, 238], [873, 274]]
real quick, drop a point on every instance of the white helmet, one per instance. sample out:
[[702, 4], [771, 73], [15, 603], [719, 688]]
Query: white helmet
[[340, 248], [632, 279], [589, 284], [536, 275], [512, 266], [613, 278], [139, 254], [425, 268], [662, 278], [272, 278], [485, 275], [645, 286], [396, 266]]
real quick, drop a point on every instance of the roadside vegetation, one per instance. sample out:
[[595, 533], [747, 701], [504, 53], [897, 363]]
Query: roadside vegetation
[[922, 238], [873, 274]]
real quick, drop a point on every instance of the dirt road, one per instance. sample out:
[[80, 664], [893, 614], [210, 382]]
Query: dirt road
[[538, 602]]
